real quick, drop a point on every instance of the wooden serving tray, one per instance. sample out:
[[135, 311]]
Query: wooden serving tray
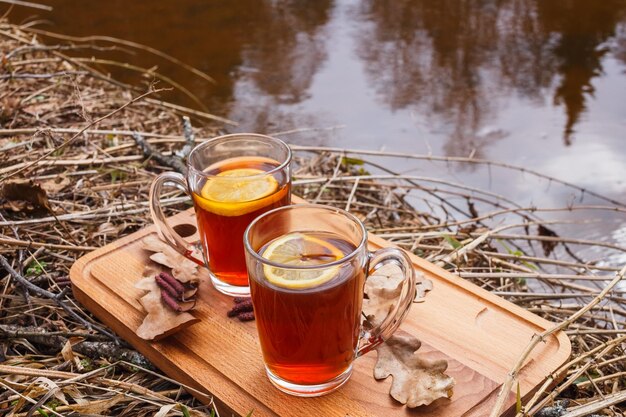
[[479, 334]]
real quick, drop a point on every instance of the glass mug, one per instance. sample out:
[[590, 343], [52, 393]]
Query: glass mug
[[232, 179], [307, 265]]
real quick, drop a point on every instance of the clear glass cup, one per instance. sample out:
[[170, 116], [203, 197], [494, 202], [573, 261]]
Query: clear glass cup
[[310, 328], [232, 179]]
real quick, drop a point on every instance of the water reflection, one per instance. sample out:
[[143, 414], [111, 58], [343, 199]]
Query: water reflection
[[285, 51], [456, 59], [456, 62], [275, 42], [583, 27]]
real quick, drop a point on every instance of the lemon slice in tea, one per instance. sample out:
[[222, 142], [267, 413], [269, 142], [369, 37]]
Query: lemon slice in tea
[[300, 249], [226, 195], [234, 191]]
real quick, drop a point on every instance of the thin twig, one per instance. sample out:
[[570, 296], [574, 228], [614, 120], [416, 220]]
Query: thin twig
[[28, 4], [150, 153]]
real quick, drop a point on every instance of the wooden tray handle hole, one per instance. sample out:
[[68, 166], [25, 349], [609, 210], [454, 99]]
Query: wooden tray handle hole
[[185, 229]]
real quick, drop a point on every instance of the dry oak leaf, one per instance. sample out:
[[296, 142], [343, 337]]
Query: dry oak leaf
[[423, 286], [415, 381], [24, 195], [383, 288], [9, 106], [185, 270], [160, 321]]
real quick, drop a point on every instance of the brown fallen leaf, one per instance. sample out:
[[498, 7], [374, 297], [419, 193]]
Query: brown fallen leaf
[[183, 269], [423, 286], [52, 388], [147, 282], [24, 195], [9, 106], [416, 381], [67, 352], [160, 321], [383, 288]]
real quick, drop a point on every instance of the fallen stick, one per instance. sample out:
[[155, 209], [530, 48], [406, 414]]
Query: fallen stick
[[32, 244], [150, 153], [592, 407], [27, 4]]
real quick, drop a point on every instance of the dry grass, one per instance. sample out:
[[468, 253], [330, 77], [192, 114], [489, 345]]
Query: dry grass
[[97, 184]]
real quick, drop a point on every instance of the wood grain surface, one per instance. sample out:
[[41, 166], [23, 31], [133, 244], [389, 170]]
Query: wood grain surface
[[478, 333]]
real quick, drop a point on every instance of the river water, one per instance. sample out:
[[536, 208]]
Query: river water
[[539, 84]]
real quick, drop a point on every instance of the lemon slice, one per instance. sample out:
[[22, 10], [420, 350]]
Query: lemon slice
[[299, 249], [233, 192]]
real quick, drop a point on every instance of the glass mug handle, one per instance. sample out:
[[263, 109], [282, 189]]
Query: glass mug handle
[[165, 231], [370, 339]]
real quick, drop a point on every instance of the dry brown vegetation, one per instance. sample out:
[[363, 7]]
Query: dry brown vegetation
[[57, 359]]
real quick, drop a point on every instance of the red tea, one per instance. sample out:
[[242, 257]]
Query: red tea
[[308, 320], [227, 202]]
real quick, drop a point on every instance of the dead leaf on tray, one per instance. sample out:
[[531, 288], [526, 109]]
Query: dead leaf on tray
[[24, 195], [183, 269], [384, 287], [160, 321], [423, 286], [416, 381], [147, 283]]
